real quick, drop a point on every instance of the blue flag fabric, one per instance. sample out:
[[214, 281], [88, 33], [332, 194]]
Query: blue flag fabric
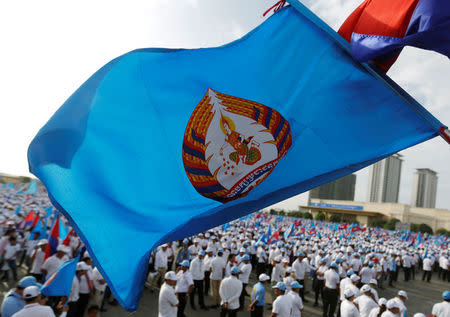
[[179, 141], [60, 283], [31, 189], [18, 209]]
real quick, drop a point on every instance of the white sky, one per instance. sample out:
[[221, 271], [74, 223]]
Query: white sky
[[49, 48]]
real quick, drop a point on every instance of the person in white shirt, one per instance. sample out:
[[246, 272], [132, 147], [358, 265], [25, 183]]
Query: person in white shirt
[[9, 258], [161, 265], [348, 308], [282, 305], [345, 283], [331, 290], [393, 308], [185, 286], [33, 308], [246, 268], [365, 302], [318, 281], [86, 287], [218, 265], [427, 269], [75, 291], [407, 262], [198, 275], [367, 273], [52, 263], [380, 309], [37, 259], [99, 286], [207, 268], [168, 301], [230, 290], [401, 299], [301, 267], [442, 309], [296, 301]]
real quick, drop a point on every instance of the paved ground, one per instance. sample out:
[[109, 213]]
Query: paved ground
[[422, 296]]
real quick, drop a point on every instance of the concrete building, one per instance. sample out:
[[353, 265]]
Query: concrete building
[[364, 212], [339, 189], [424, 188], [384, 180]]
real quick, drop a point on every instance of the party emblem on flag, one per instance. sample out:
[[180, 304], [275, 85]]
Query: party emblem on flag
[[232, 144]]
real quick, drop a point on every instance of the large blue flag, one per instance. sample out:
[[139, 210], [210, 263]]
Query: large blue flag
[[161, 144], [60, 283]]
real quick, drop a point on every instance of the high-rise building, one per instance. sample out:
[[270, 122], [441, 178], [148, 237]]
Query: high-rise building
[[424, 188], [384, 180], [339, 189]]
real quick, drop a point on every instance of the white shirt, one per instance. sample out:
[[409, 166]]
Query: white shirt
[[346, 282], [84, 286], [11, 251], [36, 310], [230, 290], [300, 268], [197, 270], [246, 269], [297, 304], [367, 274], [366, 304], [277, 273], [387, 313], [96, 278], [51, 265], [374, 312], [38, 261], [218, 264], [184, 282], [282, 306], [161, 259], [427, 264], [348, 309], [331, 279], [321, 269], [167, 302], [441, 309], [75, 290]]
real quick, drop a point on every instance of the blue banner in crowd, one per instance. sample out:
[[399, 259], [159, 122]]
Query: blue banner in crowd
[[162, 144]]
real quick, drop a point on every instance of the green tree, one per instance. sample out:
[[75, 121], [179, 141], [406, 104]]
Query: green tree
[[442, 231], [390, 224], [414, 227], [335, 218], [297, 214], [423, 227], [320, 216], [378, 222], [307, 215]]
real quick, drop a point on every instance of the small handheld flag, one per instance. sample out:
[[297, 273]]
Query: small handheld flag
[[60, 283], [53, 239]]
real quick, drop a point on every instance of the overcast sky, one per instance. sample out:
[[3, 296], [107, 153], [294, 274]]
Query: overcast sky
[[49, 48]]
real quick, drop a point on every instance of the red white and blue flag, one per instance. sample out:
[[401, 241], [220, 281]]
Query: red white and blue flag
[[379, 29], [53, 239]]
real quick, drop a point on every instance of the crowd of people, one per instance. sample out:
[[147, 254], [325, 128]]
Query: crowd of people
[[346, 265], [341, 265]]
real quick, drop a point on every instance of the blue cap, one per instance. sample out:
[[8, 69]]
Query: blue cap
[[235, 270], [185, 241], [371, 264], [323, 260], [202, 253], [446, 295], [350, 272], [185, 263], [28, 281], [301, 254], [334, 265], [296, 284], [245, 258], [338, 260], [220, 251], [281, 286], [245, 243]]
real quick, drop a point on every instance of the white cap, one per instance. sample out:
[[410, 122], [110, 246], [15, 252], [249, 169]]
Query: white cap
[[42, 242], [285, 260], [61, 248], [171, 276], [81, 266], [354, 278], [373, 281], [402, 294], [30, 292], [392, 303], [348, 293], [382, 301], [419, 315], [365, 288], [264, 277]]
